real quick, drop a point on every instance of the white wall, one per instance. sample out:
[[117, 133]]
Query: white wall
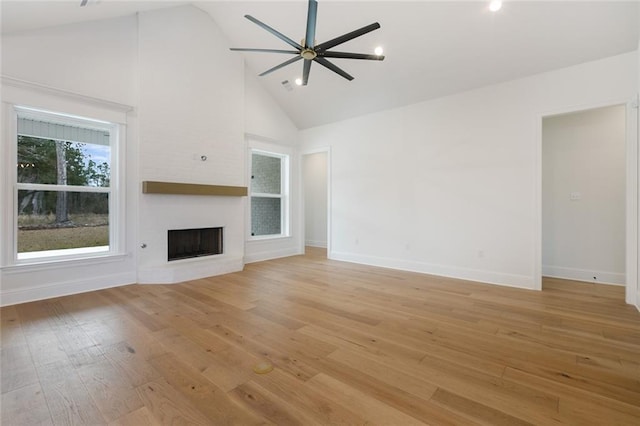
[[263, 116], [95, 59], [188, 97], [450, 186], [584, 154], [314, 169]]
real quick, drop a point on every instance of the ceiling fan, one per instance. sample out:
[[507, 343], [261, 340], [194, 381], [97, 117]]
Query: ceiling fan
[[309, 51]]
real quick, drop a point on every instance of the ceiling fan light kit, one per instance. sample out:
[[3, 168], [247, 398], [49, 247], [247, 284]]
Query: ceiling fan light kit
[[309, 51]]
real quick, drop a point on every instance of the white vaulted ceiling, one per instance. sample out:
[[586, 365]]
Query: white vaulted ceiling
[[432, 49]]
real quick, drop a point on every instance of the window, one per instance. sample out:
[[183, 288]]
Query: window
[[269, 191], [65, 181]]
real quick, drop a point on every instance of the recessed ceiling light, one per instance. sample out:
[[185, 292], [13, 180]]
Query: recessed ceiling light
[[495, 5], [378, 51], [299, 81]]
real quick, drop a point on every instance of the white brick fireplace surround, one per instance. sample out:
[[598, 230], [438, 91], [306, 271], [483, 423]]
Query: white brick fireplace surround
[[189, 211], [191, 132]]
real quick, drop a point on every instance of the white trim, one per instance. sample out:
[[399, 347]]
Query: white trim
[[47, 263], [575, 274], [42, 108], [271, 254], [537, 212], [70, 253], [62, 188], [190, 269], [8, 194], [60, 93], [315, 243], [258, 238], [13, 297], [265, 195], [477, 275], [284, 156], [632, 210]]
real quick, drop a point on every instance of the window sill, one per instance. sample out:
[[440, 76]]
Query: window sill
[[41, 264], [268, 238]]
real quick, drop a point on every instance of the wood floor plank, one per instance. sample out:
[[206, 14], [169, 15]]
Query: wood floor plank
[[599, 407], [230, 368], [396, 397], [113, 393], [371, 409], [131, 360], [208, 399], [167, 406], [349, 344], [268, 350], [44, 346], [385, 373], [11, 327], [68, 400], [321, 409], [17, 368], [25, 406], [476, 410], [268, 406], [139, 417]]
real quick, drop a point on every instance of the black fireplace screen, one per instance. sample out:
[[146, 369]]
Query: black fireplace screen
[[186, 243]]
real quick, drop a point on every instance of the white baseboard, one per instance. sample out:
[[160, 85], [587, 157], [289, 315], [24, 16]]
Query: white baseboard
[[488, 277], [189, 269], [601, 277], [271, 254], [315, 243], [31, 294]]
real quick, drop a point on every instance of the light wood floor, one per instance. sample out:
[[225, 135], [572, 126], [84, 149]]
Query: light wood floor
[[350, 344]]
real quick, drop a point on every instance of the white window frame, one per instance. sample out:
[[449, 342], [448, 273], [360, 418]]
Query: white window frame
[[116, 204], [283, 196]]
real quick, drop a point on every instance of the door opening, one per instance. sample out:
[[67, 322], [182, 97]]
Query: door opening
[[584, 195], [315, 169]]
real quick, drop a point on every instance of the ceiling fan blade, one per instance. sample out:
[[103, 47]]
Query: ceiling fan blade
[[322, 61], [305, 71], [242, 49], [312, 16], [274, 32], [284, 64], [346, 37], [347, 55]]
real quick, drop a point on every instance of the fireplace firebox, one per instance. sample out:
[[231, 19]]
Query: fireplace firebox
[[188, 243]]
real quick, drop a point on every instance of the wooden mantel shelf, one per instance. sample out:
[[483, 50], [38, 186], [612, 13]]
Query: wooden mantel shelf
[[152, 187]]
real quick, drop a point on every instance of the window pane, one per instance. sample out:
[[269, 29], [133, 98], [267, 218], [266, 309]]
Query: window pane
[[265, 174], [52, 220], [48, 161], [266, 216]]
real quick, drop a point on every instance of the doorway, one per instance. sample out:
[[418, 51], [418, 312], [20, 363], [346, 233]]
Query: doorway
[[315, 175], [584, 195]]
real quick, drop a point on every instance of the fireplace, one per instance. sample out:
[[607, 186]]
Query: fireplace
[[187, 243]]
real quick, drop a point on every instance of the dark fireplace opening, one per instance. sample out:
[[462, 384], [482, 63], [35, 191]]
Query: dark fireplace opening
[[187, 243]]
